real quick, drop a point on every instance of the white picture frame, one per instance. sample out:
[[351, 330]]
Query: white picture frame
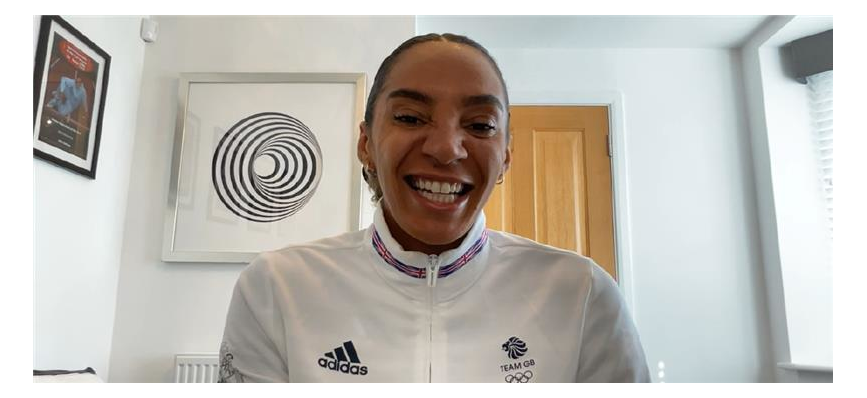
[[262, 161]]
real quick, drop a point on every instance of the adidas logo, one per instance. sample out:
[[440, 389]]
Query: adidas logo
[[343, 359]]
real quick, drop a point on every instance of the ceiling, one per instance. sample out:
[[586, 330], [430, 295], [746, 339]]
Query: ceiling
[[598, 31]]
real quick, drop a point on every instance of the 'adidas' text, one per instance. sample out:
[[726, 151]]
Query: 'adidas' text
[[344, 367]]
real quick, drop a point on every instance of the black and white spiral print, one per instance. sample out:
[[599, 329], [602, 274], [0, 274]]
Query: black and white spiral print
[[515, 347], [287, 144]]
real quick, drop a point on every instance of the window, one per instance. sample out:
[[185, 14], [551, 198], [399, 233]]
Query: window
[[821, 88]]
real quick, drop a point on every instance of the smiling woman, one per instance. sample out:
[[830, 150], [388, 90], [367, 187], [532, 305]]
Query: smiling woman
[[427, 293], [437, 142]]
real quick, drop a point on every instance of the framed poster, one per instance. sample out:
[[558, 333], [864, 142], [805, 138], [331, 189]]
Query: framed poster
[[262, 161], [70, 80]]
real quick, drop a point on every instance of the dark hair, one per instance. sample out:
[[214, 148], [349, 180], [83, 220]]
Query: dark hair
[[388, 64]]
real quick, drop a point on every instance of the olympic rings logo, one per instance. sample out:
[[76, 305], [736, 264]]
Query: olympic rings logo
[[520, 377]]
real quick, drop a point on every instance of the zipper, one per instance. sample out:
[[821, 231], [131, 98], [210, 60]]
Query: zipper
[[433, 270]]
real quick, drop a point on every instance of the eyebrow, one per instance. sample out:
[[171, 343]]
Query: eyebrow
[[485, 99], [411, 94]]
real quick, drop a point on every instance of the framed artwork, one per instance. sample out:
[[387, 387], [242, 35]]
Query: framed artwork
[[262, 161], [70, 80]]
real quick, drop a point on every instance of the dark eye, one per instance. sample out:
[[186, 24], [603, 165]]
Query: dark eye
[[408, 119], [483, 128]]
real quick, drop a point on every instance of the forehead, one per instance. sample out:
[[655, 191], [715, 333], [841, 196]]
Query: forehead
[[443, 70]]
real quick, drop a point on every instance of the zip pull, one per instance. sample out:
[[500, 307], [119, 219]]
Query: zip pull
[[433, 270]]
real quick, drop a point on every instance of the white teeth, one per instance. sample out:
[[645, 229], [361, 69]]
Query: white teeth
[[438, 187], [433, 197]]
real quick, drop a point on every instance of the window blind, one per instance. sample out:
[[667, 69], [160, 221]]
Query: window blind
[[821, 89]]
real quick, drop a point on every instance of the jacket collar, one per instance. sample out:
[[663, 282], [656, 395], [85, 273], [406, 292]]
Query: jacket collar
[[458, 267]]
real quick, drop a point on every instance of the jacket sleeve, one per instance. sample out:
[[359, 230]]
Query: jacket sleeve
[[253, 346], [610, 348]]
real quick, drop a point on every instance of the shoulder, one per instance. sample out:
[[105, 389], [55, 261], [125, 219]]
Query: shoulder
[[345, 241], [320, 252], [514, 246], [568, 266]]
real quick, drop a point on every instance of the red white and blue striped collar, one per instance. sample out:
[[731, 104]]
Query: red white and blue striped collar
[[414, 264]]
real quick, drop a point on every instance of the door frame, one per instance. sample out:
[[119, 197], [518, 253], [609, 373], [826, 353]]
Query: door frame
[[614, 100]]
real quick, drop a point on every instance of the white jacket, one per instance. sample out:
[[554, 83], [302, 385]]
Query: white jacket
[[358, 308]]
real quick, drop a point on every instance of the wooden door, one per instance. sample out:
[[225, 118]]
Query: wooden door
[[558, 188]]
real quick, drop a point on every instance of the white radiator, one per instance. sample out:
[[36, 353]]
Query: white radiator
[[196, 368]]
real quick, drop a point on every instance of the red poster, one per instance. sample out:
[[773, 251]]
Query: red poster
[[70, 82]]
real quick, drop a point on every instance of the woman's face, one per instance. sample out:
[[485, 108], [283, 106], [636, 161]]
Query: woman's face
[[437, 143]]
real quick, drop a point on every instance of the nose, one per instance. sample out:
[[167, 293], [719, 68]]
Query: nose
[[445, 144]]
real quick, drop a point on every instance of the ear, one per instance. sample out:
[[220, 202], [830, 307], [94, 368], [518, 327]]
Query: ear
[[507, 161], [362, 149]]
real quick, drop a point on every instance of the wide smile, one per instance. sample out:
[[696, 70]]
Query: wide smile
[[438, 193]]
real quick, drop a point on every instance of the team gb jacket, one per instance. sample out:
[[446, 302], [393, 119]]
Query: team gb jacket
[[358, 308]]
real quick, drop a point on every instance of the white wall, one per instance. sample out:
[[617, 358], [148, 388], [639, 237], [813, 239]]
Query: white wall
[[164, 309], [78, 223], [698, 285]]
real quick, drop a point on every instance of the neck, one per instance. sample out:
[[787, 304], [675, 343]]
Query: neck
[[410, 243]]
